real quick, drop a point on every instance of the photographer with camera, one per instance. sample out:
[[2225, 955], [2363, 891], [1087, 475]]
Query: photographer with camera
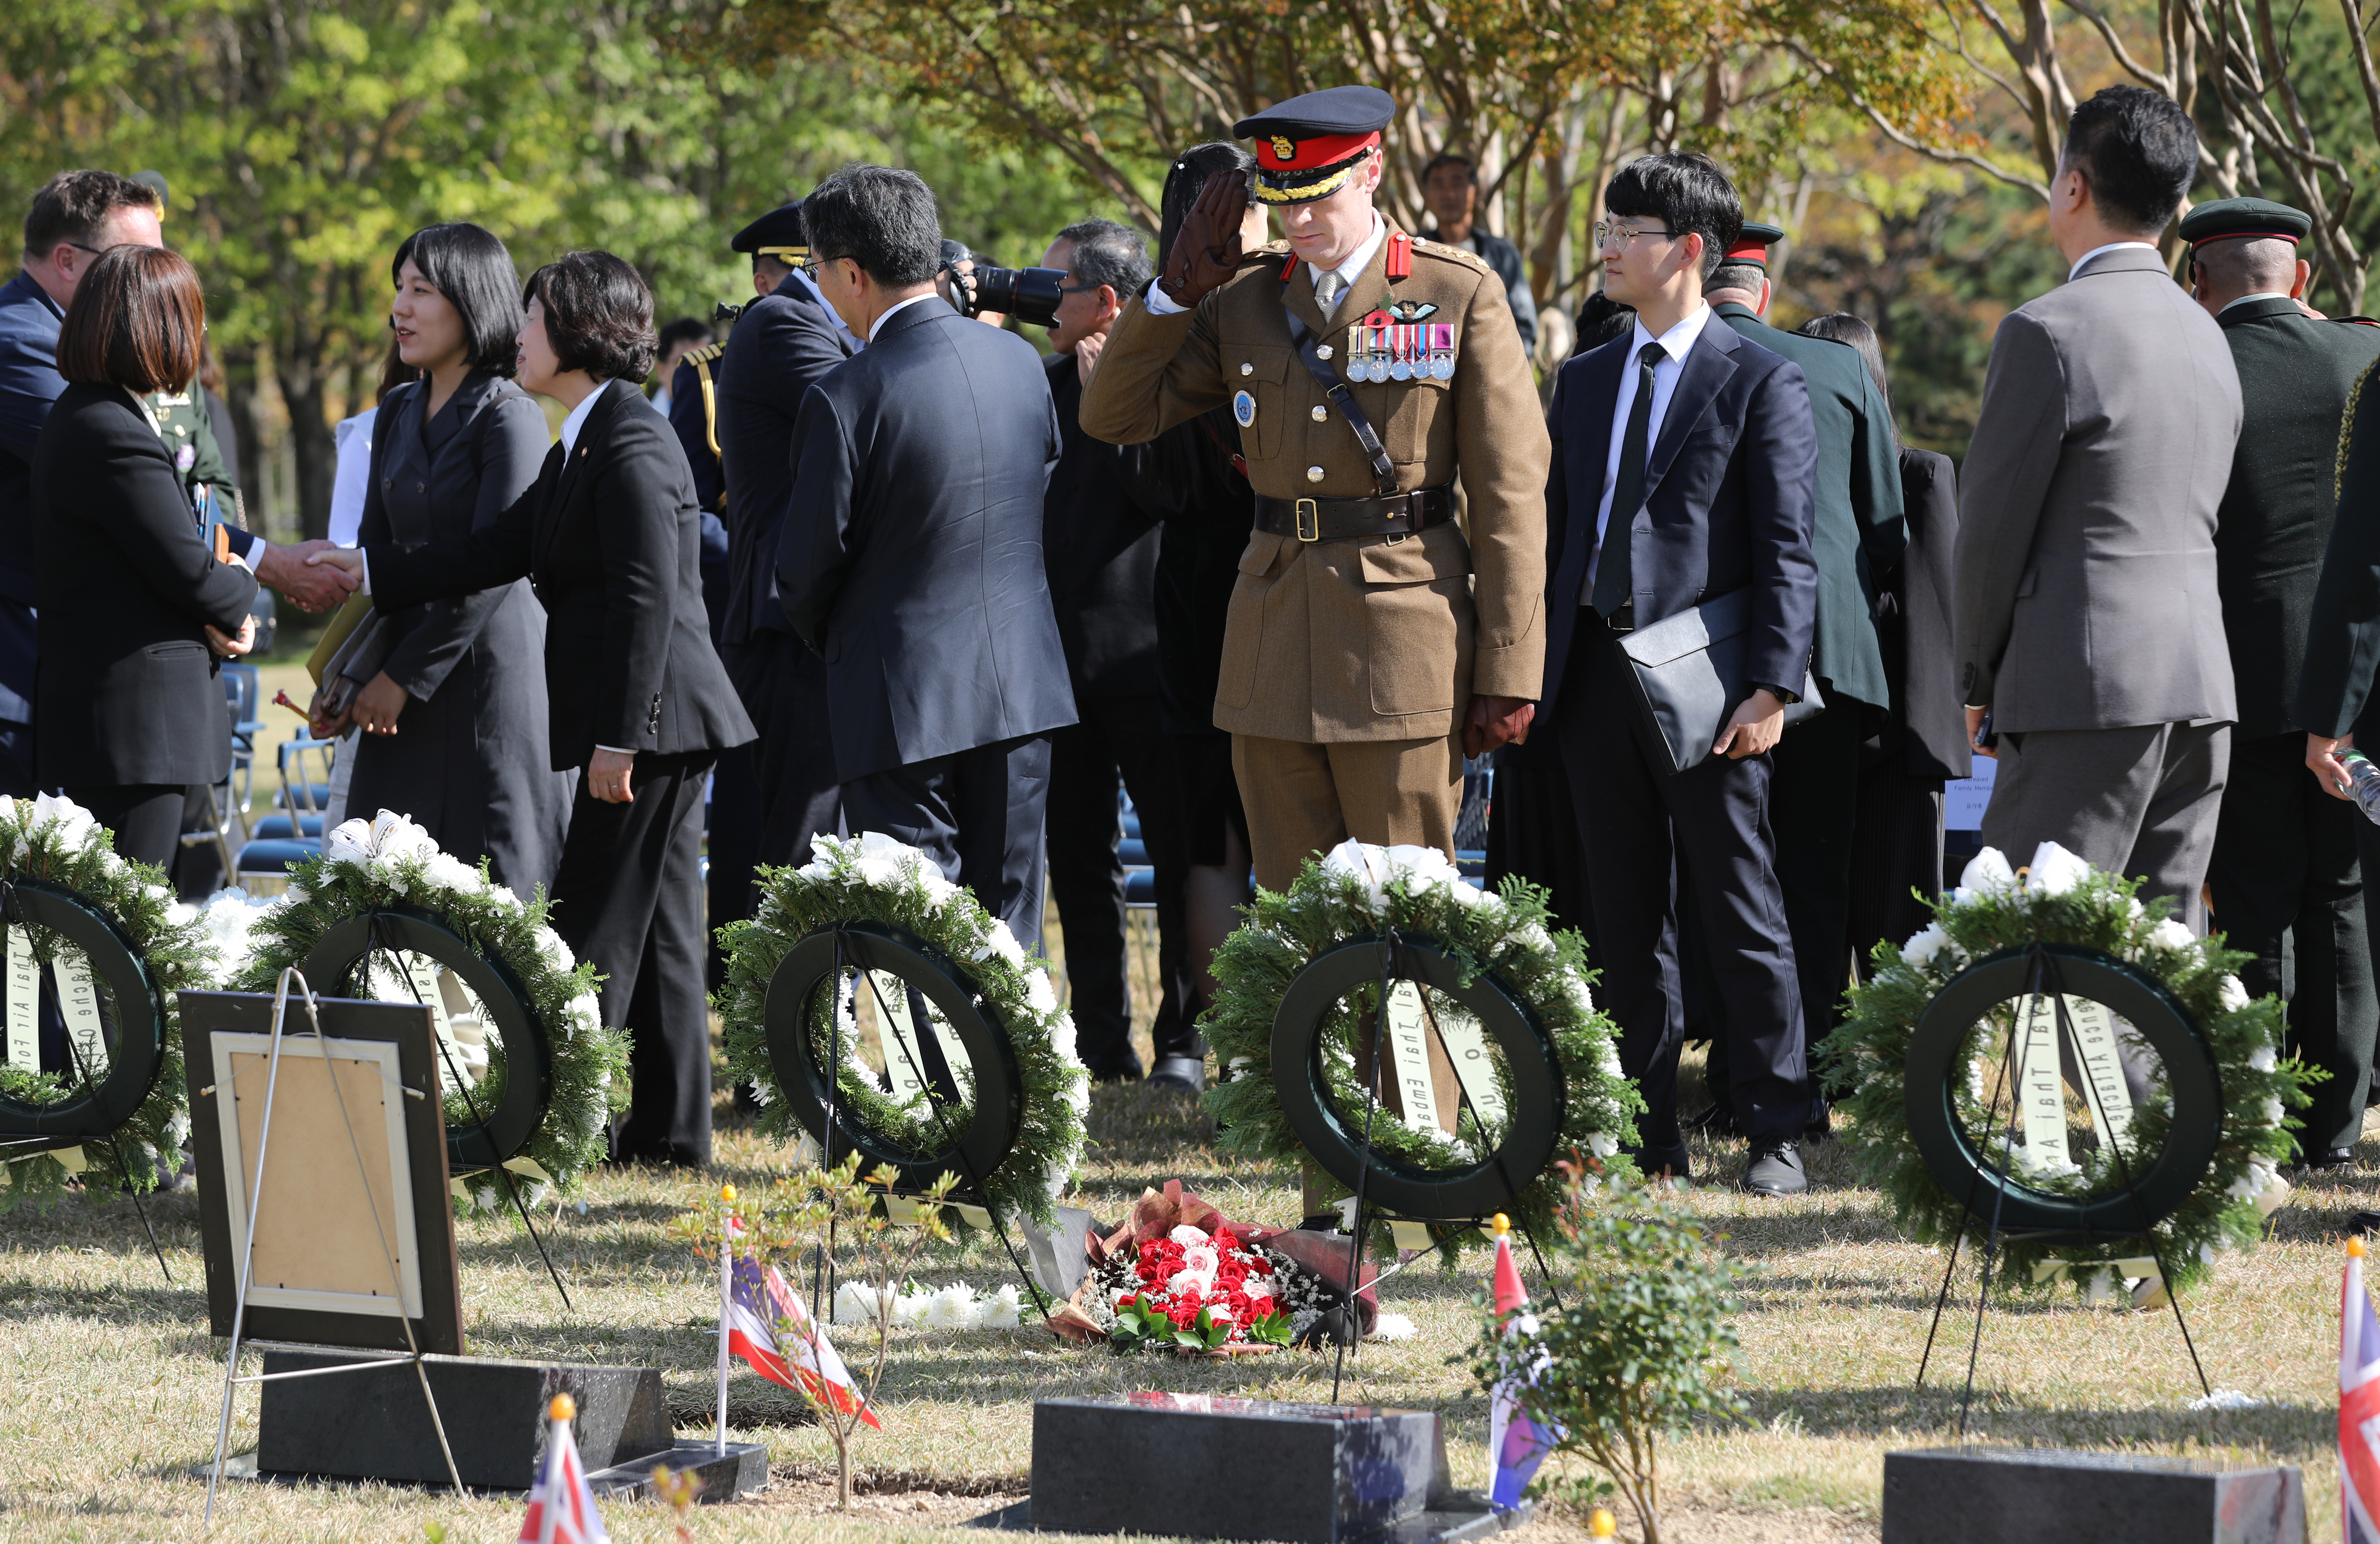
[[911, 553], [1099, 541]]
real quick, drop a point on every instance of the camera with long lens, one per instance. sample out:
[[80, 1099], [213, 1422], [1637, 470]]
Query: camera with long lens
[[1027, 294]]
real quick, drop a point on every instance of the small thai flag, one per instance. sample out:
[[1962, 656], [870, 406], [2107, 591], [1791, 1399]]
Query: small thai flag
[[758, 1303], [560, 1506], [2358, 1406], [1516, 1445]]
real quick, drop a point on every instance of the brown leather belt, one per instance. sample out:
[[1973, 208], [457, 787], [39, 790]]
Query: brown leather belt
[[1337, 519]]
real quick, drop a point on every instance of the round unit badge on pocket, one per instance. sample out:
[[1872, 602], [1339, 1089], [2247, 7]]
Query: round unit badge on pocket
[[1244, 408]]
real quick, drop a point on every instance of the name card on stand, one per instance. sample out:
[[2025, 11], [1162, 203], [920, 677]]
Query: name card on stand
[[1408, 1038], [79, 1004]]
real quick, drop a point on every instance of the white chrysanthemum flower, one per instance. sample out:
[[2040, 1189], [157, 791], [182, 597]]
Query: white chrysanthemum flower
[[2233, 995], [1002, 1310], [1001, 942], [2264, 1059], [1602, 1144], [855, 1304], [1039, 993], [951, 1308], [551, 949], [2055, 871], [178, 1128], [1241, 1067], [2270, 1111], [449, 873], [2171, 933], [1924, 944]]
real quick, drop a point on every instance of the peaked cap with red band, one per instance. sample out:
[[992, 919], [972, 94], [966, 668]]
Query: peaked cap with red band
[[2233, 219], [1752, 247], [1308, 146]]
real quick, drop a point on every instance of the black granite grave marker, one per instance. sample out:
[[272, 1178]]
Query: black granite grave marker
[[1982, 1495]]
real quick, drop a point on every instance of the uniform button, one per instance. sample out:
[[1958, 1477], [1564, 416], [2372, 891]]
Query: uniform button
[[1313, 474], [1322, 350], [1321, 414], [387, 484], [1246, 369], [179, 430], [418, 487]]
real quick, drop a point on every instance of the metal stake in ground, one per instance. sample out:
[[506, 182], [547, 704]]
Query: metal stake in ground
[[1354, 1324], [1999, 1194]]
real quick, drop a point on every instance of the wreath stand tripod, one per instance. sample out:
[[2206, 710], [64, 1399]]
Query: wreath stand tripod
[[2018, 1212], [1469, 1198]]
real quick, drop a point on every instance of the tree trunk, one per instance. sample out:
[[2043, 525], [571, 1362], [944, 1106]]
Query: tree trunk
[[298, 369]]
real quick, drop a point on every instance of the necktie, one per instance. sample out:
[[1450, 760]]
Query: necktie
[[1611, 574], [1325, 293]]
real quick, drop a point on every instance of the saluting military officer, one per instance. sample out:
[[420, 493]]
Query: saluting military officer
[[2284, 868], [1369, 644]]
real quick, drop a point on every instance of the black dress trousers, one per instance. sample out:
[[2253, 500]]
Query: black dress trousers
[[2288, 892], [783, 687], [978, 814], [1120, 740], [1712, 822], [628, 897], [1814, 807]]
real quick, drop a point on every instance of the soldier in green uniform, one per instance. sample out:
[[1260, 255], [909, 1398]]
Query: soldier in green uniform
[[2286, 870], [1857, 537]]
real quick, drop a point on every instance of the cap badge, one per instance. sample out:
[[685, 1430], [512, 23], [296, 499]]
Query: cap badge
[[1282, 148]]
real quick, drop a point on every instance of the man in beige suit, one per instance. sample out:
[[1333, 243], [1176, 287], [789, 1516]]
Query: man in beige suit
[[1371, 642], [2088, 625]]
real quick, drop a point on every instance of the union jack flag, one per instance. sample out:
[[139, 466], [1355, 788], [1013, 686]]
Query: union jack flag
[[2358, 1406], [560, 1507]]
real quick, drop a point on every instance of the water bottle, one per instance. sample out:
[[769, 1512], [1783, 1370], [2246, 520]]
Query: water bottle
[[2366, 789]]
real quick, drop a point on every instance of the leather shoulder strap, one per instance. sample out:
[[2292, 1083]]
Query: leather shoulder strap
[[1384, 471]]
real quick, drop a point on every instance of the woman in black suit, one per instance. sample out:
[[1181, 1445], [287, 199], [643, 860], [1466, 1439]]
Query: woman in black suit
[[610, 538], [136, 609], [459, 708]]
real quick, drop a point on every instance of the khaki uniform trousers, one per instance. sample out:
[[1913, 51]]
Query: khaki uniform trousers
[[1303, 799]]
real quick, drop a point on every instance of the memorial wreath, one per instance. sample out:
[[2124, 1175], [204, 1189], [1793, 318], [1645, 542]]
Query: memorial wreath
[[1357, 890], [2061, 900], [388, 862], [55, 841], [873, 879]]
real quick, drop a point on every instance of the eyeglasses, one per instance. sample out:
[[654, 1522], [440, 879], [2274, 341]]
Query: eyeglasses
[[1080, 290], [1607, 233]]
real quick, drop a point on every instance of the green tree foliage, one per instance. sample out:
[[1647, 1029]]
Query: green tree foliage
[[303, 139]]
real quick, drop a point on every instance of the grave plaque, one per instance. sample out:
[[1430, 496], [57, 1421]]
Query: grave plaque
[[1985, 1495]]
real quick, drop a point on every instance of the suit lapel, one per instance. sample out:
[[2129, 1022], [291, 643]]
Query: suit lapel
[[571, 478], [1708, 367]]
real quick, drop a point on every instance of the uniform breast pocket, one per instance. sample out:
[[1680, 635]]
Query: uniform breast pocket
[[1257, 378]]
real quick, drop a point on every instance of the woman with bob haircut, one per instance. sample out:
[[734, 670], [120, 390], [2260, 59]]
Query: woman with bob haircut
[[136, 609], [639, 705], [453, 719]]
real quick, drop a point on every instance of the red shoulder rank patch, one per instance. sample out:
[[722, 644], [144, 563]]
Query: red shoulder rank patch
[[1400, 262], [1288, 268]]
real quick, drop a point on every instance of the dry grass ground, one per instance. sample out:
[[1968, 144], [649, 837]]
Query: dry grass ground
[[112, 1382]]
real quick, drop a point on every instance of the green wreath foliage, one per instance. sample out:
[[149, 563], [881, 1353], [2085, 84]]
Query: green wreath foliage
[[390, 861], [872, 878], [57, 841], [1358, 888], [2060, 899]]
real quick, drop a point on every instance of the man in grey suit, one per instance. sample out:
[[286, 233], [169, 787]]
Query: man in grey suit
[[2089, 628]]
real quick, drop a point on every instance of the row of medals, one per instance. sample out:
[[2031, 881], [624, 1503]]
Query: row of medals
[[1411, 351]]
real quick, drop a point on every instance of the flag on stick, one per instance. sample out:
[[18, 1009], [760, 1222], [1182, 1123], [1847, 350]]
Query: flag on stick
[[2358, 1406], [1516, 1445], [560, 1506], [759, 1302]]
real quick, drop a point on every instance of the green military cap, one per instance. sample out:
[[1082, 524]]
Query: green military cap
[[1751, 246], [2230, 219]]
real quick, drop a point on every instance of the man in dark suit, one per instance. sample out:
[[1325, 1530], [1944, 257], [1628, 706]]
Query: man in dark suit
[[1683, 469], [911, 553], [2285, 864], [1857, 537], [1101, 541], [783, 786]]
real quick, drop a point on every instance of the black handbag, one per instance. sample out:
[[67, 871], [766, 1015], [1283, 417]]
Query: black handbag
[[1689, 673]]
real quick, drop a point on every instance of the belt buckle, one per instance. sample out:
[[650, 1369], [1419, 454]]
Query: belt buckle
[[1309, 521]]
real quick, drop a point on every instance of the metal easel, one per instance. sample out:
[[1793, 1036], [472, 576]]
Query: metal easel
[[253, 1198]]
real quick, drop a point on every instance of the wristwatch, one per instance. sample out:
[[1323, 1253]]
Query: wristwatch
[[1784, 697]]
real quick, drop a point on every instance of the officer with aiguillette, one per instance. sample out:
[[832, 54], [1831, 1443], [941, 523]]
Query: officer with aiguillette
[[1369, 646]]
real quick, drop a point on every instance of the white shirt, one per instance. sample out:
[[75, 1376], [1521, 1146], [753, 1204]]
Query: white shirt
[[661, 400], [801, 276], [1675, 345], [576, 419], [1158, 303], [2260, 295], [351, 480], [893, 310], [2110, 247]]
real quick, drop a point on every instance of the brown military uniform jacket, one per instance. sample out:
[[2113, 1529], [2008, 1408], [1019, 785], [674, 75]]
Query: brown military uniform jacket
[[1362, 639]]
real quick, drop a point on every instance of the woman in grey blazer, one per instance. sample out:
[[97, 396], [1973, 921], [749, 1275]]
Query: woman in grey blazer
[[455, 719]]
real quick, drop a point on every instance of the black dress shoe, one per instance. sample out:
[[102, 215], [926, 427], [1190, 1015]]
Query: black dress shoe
[[1774, 1169], [1179, 1072], [2364, 1223], [1124, 1072], [2329, 1158], [1652, 1162]]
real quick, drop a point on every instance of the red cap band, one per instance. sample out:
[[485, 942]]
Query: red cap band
[[1279, 152], [1754, 248], [2290, 237]]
